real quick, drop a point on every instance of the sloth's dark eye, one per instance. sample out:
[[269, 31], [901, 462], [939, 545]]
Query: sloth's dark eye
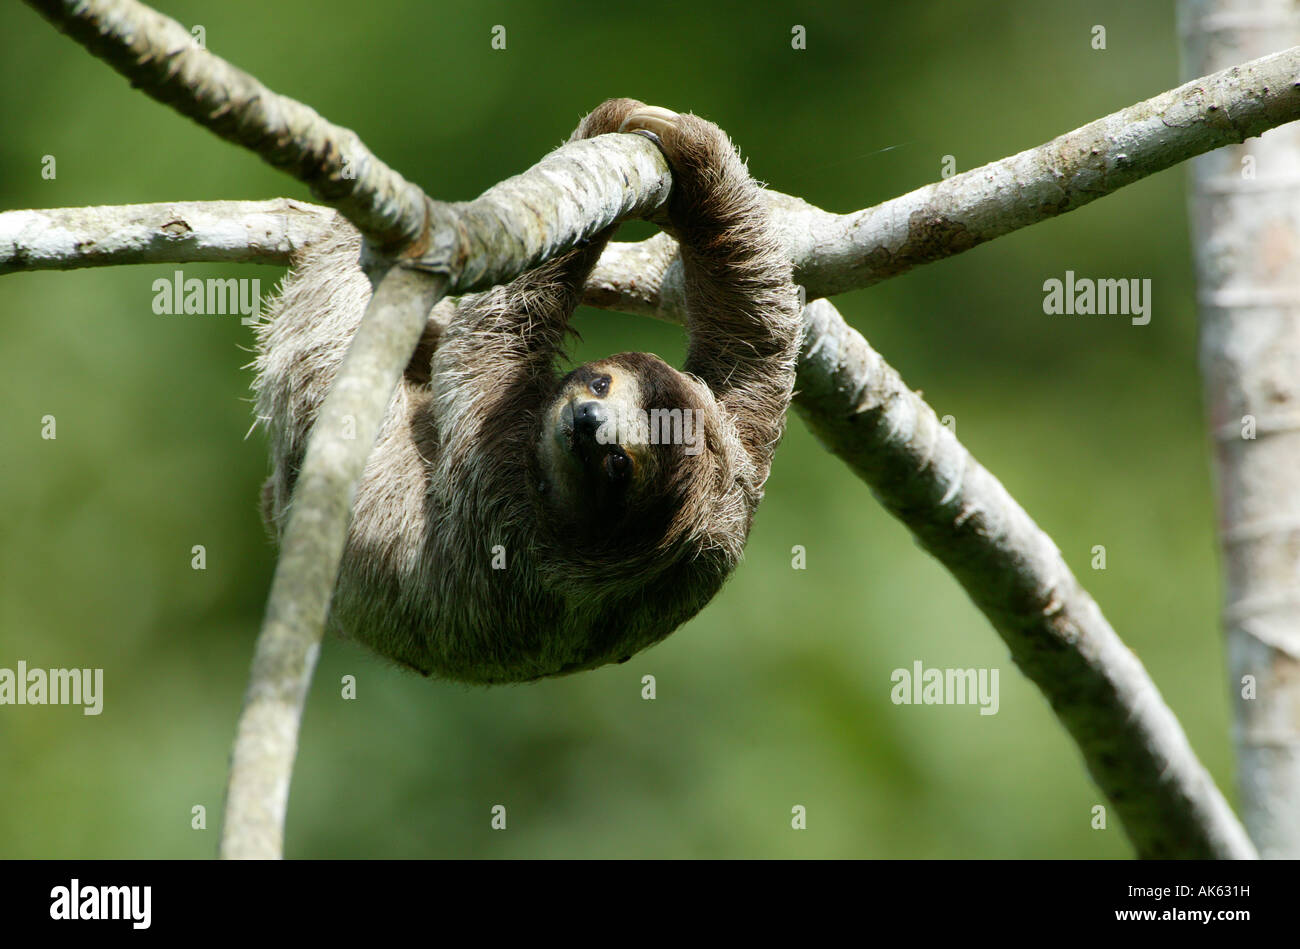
[[600, 387], [617, 466]]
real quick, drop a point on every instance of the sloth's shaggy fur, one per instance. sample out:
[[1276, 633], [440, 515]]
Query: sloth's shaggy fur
[[458, 479]]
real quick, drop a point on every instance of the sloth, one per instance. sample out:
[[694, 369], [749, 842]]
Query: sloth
[[512, 523]]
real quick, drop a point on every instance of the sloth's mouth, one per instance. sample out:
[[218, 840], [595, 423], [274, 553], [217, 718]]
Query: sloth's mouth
[[590, 451]]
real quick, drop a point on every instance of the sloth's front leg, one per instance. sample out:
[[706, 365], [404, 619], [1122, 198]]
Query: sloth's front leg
[[741, 303]]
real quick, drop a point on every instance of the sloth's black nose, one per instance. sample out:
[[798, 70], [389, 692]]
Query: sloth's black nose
[[588, 417]]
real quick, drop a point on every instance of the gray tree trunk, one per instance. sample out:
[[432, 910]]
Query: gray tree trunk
[[1245, 205]]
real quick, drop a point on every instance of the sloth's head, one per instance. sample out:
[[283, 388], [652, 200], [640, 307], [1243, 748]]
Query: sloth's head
[[624, 450]]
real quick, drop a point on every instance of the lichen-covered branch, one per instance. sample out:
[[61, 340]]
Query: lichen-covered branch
[[948, 217], [475, 245], [573, 193], [310, 551], [261, 232], [161, 58], [576, 191], [832, 252], [1132, 743]]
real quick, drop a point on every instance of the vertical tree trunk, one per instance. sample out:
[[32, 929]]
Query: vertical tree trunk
[[1245, 206]]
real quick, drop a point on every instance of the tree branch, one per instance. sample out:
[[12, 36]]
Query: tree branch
[[267, 739], [260, 232], [1131, 741], [159, 57], [474, 244], [948, 217], [832, 253]]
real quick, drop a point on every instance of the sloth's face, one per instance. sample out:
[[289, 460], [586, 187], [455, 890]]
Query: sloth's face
[[620, 442]]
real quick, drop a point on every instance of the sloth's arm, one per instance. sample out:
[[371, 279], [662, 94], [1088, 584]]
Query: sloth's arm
[[742, 311], [520, 327], [495, 362], [515, 331]]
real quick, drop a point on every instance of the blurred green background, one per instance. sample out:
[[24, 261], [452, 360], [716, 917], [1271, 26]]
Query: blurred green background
[[778, 693]]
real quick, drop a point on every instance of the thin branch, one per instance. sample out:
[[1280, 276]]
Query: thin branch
[[832, 253], [267, 739], [263, 232], [948, 217], [570, 195], [161, 58], [1132, 743], [475, 245], [576, 191]]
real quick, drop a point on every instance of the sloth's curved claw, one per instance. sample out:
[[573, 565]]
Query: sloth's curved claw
[[651, 121]]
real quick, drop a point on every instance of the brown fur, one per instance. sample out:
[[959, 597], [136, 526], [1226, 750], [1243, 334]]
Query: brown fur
[[457, 469]]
